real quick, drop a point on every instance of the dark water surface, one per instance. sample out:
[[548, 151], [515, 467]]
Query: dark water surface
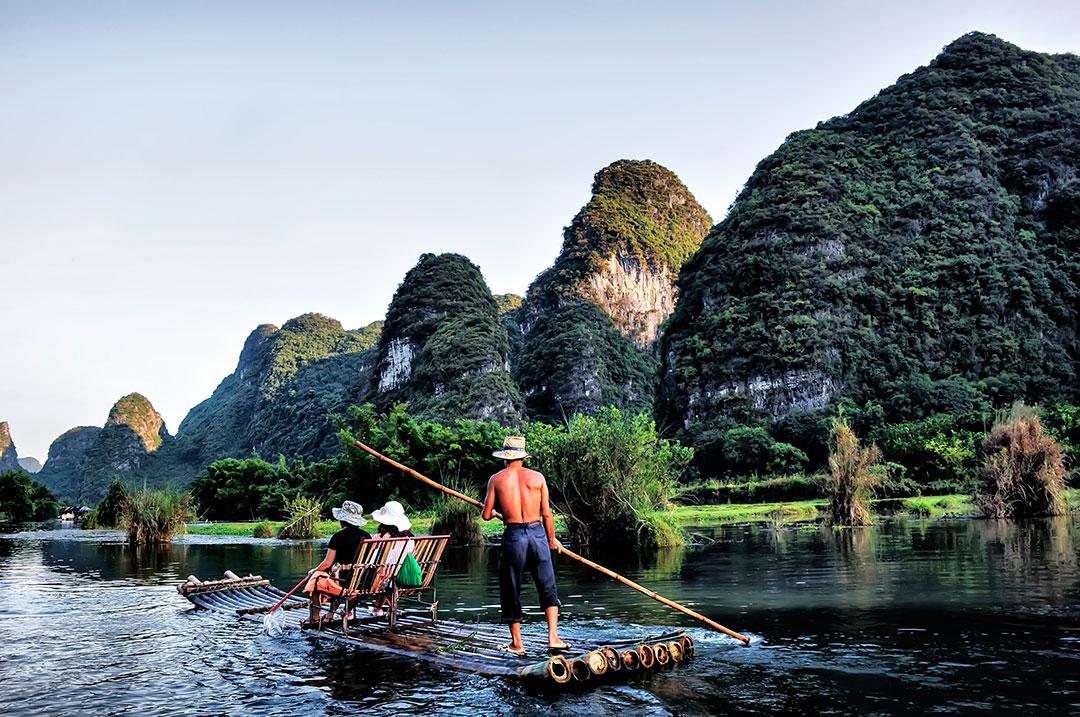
[[905, 617]]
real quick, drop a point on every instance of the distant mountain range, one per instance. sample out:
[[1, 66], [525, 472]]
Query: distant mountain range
[[920, 252]]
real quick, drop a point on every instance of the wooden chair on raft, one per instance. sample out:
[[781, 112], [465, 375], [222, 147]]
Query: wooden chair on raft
[[374, 573]]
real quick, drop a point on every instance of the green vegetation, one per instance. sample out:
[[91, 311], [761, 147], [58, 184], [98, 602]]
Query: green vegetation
[[155, 516], [459, 520], [580, 350], [915, 257], [574, 359], [609, 474], [109, 512], [23, 499], [250, 488], [1024, 472], [638, 210], [507, 303], [137, 413], [854, 480], [288, 384], [302, 519], [263, 529], [444, 348]]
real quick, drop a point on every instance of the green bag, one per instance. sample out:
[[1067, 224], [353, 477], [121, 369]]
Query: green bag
[[409, 576]]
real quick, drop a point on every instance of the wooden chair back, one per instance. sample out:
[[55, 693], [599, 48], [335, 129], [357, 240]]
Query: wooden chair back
[[379, 559]]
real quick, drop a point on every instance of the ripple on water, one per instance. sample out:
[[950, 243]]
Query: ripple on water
[[903, 617]]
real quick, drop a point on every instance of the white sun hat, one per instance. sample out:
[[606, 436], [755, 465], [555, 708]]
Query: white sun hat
[[393, 513], [352, 513]]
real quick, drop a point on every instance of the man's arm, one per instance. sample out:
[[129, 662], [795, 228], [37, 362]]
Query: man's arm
[[547, 517], [489, 500]]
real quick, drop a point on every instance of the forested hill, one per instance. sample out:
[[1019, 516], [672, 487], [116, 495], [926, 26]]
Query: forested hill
[[921, 252], [444, 349], [287, 383], [586, 332]]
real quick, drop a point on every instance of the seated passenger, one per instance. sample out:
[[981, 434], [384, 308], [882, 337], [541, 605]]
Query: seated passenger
[[343, 547], [393, 523]]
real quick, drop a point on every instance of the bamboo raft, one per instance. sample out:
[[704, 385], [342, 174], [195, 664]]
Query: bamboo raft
[[449, 643]]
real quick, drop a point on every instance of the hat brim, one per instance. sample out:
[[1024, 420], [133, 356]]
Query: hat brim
[[401, 522], [358, 520], [510, 455]]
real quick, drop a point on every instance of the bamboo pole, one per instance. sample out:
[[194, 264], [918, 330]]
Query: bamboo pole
[[567, 552]]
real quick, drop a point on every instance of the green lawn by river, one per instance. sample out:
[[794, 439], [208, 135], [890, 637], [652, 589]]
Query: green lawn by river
[[937, 506]]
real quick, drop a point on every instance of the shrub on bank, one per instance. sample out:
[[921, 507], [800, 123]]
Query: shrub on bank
[[1024, 470], [459, 520], [263, 530], [302, 521], [778, 489], [107, 513], [608, 473], [23, 499], [853, 479], [155, 516]]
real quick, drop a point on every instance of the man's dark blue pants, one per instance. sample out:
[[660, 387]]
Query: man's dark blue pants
[[525, 547]]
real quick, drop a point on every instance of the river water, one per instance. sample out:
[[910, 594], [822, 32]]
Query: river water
[[909, 616]]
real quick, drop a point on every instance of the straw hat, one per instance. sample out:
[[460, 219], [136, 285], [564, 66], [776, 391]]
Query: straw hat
[[352, 513], [513, 449], [392, 514]]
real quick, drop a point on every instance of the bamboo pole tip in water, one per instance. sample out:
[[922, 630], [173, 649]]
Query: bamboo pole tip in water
[[688, 646], [648, 656], [676, 651], [631, 659], [579, 669], [558, 669], [597, 662], [660, 651], [614, 660]]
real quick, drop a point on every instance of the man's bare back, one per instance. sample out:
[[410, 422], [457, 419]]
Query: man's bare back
[[519, 493]]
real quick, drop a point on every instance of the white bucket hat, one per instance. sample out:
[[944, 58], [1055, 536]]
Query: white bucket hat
[[513, 449], [393, 513], [352, 513]]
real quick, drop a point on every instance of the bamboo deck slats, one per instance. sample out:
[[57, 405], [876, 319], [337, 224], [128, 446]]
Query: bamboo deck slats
[[452, 644]]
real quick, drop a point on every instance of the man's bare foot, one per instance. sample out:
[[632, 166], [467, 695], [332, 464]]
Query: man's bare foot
[[558, 646], [513, 649]]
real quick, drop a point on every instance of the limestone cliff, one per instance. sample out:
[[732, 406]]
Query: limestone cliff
[[280, 399], [9, 457], [444, 348], [84, 461], [919, 253], [587, 329]]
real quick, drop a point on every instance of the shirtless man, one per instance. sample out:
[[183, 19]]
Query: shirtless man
[[521, 496]]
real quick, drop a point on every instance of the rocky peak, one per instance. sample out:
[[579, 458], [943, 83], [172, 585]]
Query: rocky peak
[[254, 357], [9, 457], [30, 464], [587, 330], [624, 248], [137, 413], [63, 469], [443, 347]]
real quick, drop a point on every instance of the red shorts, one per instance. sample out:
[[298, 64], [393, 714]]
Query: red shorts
[[322, 584]]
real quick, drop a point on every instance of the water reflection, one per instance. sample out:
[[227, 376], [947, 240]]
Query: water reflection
[[908, 615]]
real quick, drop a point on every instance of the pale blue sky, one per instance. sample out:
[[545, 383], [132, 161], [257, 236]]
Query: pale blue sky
[[173, 174]]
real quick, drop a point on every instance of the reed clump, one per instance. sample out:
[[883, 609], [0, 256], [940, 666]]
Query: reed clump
[[459, 520], [263, 529], [155, 516], [1023, 474], [302, 521], [852, 477]]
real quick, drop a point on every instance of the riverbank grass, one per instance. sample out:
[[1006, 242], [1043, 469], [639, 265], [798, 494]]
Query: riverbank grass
[[155, 516]]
